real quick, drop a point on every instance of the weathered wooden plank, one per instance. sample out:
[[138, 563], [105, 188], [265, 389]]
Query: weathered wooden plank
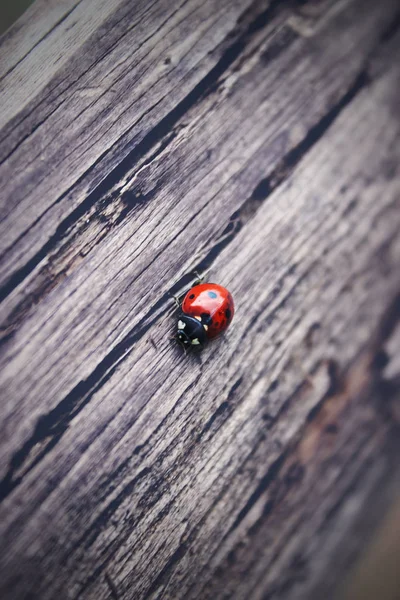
[[44, 185], [207, 475], [118, 279], [33, 26], [49, 33], [164, 462], [134, 72], [132, 471]]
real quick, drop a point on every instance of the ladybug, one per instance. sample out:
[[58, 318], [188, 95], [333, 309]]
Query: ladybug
[[206, 311]]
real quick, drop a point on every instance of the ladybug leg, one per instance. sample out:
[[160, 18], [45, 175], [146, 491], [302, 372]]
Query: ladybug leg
[[175, 339], [185, 350], [176, 300], [200, 278]]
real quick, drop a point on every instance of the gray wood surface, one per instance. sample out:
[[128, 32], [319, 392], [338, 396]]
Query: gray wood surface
[[141, 141]]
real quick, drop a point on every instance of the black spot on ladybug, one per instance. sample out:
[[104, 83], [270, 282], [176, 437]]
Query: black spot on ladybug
[[228, 313], [191, 296], [211, 294]]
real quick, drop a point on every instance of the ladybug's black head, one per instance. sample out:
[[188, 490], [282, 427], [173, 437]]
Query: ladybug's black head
[[191, 332]]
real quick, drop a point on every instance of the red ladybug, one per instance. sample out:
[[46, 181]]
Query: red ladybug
[[206, 311]]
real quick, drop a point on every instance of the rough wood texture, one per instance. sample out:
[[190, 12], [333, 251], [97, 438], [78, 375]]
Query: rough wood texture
[[140, 141]]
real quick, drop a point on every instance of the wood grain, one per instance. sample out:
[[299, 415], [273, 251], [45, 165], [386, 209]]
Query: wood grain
[[260, 141]]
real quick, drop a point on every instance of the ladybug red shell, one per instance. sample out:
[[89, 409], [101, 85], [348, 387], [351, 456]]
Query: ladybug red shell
[[206, 311]]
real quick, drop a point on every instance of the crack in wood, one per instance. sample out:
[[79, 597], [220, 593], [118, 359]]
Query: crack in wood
[[220, 415], [261, 488], [112, 586]]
